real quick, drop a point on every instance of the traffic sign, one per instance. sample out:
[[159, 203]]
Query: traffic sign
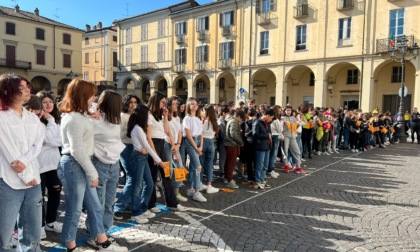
[[405, 92], [241, 90]]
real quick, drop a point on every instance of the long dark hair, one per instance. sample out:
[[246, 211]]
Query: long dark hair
[[9, 89], [139, 117], [110, 103], [126, 102], [54, 113], [211, 116], [154, 105], [169, 102]]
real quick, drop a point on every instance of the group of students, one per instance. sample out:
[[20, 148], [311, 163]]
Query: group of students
[[99, 135]]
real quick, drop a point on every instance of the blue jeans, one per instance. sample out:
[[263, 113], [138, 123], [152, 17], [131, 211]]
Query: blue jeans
[[346, 136], [24, 205], [78, 192], [125, 197], [299, 142], [194, 179], [261, 165], [176, 164], [273, 152], [107, 189], [207, 159], [142, 183]]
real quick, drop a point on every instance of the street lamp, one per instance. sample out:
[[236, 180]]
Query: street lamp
[[403, 47], [71, 75]]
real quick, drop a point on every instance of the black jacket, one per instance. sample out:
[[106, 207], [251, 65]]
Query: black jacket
[[415, 119], [261, 135]]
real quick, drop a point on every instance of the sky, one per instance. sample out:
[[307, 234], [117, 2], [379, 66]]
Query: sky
[[78, 13]]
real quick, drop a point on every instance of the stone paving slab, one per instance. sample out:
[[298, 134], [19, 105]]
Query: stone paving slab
[[348, 202]]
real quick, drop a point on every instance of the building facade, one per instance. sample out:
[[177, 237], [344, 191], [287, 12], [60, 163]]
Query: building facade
[[328, 53], [100, 54], [46, 52]]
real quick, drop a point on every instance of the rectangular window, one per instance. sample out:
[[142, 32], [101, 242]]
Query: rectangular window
[[85, 75], [66, 39], [396, 23], [40, 57], [143, 54], [161, 28], [128, 56], [344, 28], [66, 60], [180, 56], [265, 6], [96, 56], [114, 38], [226, 50], [264, 43], [10, 28], [352, 76], [144, 32], [10, 55], [87, 58], [203, 24], [86, 41], [181, 28], [40, 34], [202, 53], [227, 18], [128, 35], [161, 52], [114, 59], [300, 37], [396, 75]]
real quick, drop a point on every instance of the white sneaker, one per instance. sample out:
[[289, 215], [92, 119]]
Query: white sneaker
[[181, 198], [318, 153], [149, 214], [54, 226], [178, 208], [277, 159], [190, 192], [140, 219], [92, 242], [113, 248], [273, 174], [155, 210], [211, 189], [158, 195], [199, 197], [273, 171], [43, 234], [203, 187], [232, 184], [326, 153], [303, 160], [336, 151]]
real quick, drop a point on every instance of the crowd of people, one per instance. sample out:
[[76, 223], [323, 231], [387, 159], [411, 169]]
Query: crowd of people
[[80, 144]]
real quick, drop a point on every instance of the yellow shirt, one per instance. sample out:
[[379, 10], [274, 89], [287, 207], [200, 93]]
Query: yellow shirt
[[407, 117]]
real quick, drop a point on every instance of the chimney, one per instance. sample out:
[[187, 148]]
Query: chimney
[[87, 27], [17, 8], [94, 27], [100, 25], [36, 11]]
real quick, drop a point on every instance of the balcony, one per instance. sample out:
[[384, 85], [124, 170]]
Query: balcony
[[394, 0], [12, 63], [345, 4], [227, 30], [203, 35], [301, 11], [264, 18], [179, 68], [225, 63], [180, 39], [201, 66], [143, 67], [383, 45]]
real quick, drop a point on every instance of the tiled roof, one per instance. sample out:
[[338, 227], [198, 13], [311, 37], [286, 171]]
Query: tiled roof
[[30, 16]]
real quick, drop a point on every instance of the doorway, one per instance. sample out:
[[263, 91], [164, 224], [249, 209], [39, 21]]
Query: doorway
[[392, 103], [350, 102]]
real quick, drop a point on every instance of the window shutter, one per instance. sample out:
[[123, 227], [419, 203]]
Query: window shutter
[[207, 23], [221, 51], [206, 53], [221, 19], [185, 28], [273, 5], [197, 54], [231, 49], [184, 56], [197, 24], [258, 7], [176, 29], [177, 57], [232, 18], [348, 27]]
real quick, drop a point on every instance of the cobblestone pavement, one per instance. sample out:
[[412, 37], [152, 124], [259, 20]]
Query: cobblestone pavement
[[348, 202]]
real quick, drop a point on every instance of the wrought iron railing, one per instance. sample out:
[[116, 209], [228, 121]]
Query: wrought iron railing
[[180, 38], [179, 68], [345, 4], [143, 66], [264, 18], [203, 35], [301, 10], [227, 30], [385, 44], [12, 63], [201, 66], [225, 63]]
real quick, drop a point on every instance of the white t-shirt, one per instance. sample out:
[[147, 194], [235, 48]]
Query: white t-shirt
[[158, 131], [192, 123], [208, 131], [175, 127]]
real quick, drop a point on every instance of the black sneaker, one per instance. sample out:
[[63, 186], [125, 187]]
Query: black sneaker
[[118, 215]]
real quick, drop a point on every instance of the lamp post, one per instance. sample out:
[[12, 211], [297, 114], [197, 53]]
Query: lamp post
[[71, 74], [404, 48]]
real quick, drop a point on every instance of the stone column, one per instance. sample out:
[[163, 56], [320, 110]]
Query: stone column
[[367, 89], [214, 89], [320, 86]]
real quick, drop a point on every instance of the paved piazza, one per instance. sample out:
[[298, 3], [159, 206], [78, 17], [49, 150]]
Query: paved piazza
[[348, 202]]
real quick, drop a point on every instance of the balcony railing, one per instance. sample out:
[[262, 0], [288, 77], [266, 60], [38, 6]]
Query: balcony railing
[[143, 66], [12, 63], [385, 44], [180, 39], [345, 4], [227, 30], [225, 63], [201, 66], [203, 35], [301, 10], [264, 18], [179, 68]]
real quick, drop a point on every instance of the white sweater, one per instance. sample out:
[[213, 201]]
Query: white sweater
[[21, 139], [50, 155], [77, 135], [108, 145], [124, 121], [140, 141]]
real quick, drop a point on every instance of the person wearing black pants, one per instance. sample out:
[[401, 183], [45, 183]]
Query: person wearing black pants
[[415, 125], [307, 130]]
